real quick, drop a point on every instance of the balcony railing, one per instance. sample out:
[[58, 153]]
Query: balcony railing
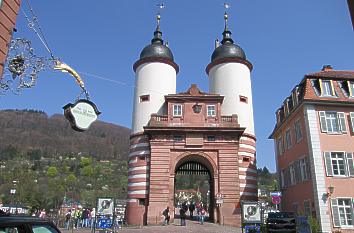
[[163, 121]]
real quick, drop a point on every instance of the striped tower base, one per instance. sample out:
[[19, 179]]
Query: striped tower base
[[248, 168], [138, 179]]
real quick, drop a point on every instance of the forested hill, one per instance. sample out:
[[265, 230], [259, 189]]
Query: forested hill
[[34, 133]]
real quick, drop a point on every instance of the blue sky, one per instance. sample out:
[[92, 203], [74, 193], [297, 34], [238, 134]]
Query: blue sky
[[282, 39]]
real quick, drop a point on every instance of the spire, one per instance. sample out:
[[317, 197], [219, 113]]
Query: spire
[[226, 35], [157, 33]]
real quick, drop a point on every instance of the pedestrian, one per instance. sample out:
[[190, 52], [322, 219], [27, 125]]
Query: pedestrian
[[166, 214], [202, 215], [182, 213], [67, 219], [42, 214], [191, 210]]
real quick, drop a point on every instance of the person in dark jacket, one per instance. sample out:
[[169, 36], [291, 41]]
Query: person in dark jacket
[[166, 214], [182, 213]]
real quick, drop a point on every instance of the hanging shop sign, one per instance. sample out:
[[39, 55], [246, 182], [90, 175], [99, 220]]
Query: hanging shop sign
[[251, 212], [81, 114]]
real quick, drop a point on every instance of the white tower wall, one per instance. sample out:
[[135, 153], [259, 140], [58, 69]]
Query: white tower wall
[[233, 80], [156, 80]]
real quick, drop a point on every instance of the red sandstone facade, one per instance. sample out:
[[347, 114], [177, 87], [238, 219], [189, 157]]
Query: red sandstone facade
[[169, 141], [8, 15], [314, 141]]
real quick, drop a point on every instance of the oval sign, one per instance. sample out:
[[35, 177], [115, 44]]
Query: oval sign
[[81, 114]]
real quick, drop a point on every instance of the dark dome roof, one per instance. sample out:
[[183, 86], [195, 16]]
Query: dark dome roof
[[228, 50], [156, 50]]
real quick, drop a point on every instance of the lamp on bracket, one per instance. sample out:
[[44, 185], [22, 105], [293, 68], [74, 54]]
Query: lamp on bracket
[[330, 191]]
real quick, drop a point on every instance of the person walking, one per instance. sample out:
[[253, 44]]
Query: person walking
[[166, 214], [191, 210], [67, 220]]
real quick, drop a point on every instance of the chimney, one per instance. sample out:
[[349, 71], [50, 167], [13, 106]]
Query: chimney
[[327, 68]]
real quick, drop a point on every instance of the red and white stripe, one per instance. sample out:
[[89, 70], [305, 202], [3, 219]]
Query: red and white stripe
[[138, 168], [247, 167]]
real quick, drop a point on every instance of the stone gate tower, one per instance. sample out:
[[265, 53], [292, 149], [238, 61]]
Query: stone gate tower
[[192, 132]]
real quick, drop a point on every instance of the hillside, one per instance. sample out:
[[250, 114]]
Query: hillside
[[29, 130]]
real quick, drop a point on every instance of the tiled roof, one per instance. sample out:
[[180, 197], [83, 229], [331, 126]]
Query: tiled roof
[[333, 74]]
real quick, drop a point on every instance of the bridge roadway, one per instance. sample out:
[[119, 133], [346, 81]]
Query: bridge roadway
[[175, 227]]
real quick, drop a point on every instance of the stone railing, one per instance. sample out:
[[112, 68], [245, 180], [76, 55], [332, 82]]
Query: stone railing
[[224, 121]]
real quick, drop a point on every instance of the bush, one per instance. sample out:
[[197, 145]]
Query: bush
[[315, 226]]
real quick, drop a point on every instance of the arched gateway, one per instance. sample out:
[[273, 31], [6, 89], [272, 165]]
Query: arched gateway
[[169, 130], [217, 143]]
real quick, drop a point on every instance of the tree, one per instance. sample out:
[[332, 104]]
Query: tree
[[52, 172]]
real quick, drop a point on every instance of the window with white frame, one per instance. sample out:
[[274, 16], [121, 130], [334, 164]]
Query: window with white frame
[[332, 122], [342, 212], [307, 208], [298, 133], [339, 164], [327, 88], [345, 212], [211, 110], [177, 110], [288, 138]]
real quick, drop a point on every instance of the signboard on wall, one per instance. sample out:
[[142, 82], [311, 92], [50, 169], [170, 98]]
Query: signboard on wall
[[251, 212], [105, 206]]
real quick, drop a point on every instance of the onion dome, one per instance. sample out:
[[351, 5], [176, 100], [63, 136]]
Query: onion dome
[[157, 49], [227, 49]]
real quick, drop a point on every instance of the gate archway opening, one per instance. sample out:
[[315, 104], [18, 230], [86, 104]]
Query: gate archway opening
[[194, 185]]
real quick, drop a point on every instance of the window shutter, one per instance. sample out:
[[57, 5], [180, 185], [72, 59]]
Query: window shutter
[[308, 167], [341, 119], [328, 163], [352, 120], [323, 121], [349, 88], [350, 164], [321, 86], [332, 88], [335, 212]]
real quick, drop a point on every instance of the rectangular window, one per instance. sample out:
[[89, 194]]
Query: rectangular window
[[307, 208], [243, 99], [177, 138], [211, 110], [288, 138], [327, 88], [177, 110], [298, 133], [141, 201], [339, 164], [332, 122], [144, 98], [211, 138], [345, 208]]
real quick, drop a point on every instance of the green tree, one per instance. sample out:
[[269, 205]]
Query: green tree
[[52, 172]]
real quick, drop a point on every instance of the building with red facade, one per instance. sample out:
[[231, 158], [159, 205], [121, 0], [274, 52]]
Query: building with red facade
[[314, 142], [8, 15], [193, 132]]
